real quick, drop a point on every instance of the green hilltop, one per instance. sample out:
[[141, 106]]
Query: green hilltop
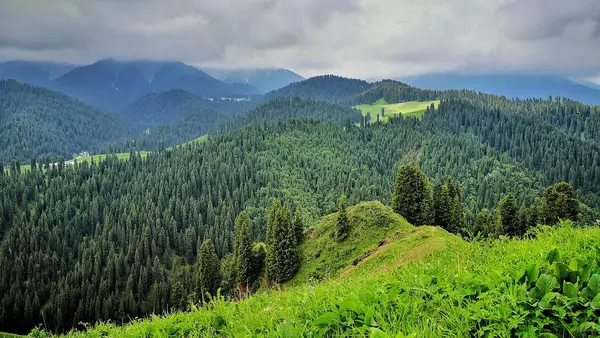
[[406, 282]]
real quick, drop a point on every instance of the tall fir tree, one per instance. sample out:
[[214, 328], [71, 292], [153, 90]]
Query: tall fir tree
[[412, 195], [208, 274], [282, 259], [298, 227], [242, 249], [342, 223]]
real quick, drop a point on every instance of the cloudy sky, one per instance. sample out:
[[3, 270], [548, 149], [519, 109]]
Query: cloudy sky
[[359, 38]]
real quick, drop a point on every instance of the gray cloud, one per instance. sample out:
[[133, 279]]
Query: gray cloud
[[545, 19], [363, 38]]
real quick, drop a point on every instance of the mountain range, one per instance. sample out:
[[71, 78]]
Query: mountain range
[[512, 85], [112, 84], [265, 80]]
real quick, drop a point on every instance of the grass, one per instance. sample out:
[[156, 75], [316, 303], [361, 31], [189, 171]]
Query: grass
[[421, 282], [412, 108], [199, 140], [374, 228], [101, 157], [9, 335]]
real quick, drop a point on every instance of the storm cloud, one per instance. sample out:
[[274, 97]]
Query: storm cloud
[[361, 38]]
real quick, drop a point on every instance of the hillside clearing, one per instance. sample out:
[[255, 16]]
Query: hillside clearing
[[411, 108]]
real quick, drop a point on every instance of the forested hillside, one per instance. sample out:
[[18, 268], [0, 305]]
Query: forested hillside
[[288, 108], [119, 239], [325, 88], [36, 122]]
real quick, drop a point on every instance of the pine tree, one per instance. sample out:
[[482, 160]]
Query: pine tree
[[208, 275], [342, 223], [508, 216], [442, 204], [242, 249], [273, 260], [412, 195], [282, 259]]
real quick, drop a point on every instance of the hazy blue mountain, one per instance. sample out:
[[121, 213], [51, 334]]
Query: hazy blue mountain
[[106, 83], [265, 80], [113, 84], [177, 75], [518, 86], [32, 72]]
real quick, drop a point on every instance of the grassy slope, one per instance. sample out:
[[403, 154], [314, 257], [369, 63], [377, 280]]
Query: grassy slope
[[199, 140], [430, 296], [375, 232], [9, 335], [412, 108]]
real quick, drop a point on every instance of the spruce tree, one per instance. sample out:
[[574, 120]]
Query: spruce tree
[[342, 223], [291, 256], [508, 216], [272, 261], [282, 259], [208, 275], [242, 249], [298, 227], [412, 195]]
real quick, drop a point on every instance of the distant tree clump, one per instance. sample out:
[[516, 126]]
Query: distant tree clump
[[448, 208], [508, 216], [560, 203], [412, 195]]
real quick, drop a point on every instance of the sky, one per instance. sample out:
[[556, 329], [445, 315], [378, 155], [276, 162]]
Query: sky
[[355, 38]]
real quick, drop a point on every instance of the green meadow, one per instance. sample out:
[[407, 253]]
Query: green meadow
[[412, 108]]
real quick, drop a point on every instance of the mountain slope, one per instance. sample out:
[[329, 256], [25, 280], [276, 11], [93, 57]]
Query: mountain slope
[[161, 108], [287, 108], [467, 288], [177, 75], [113, 84], [265, 80], [31, 72], [326, 88], [106, 83], [37, 122], [375, 231], [512, 86]]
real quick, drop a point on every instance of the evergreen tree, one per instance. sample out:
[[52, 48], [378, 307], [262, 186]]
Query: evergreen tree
[[282, 259], [208, 275], [242, 249], [508, 216], [485, 224], [412, 195], [298, 227], [228, 275], [342, 223]]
